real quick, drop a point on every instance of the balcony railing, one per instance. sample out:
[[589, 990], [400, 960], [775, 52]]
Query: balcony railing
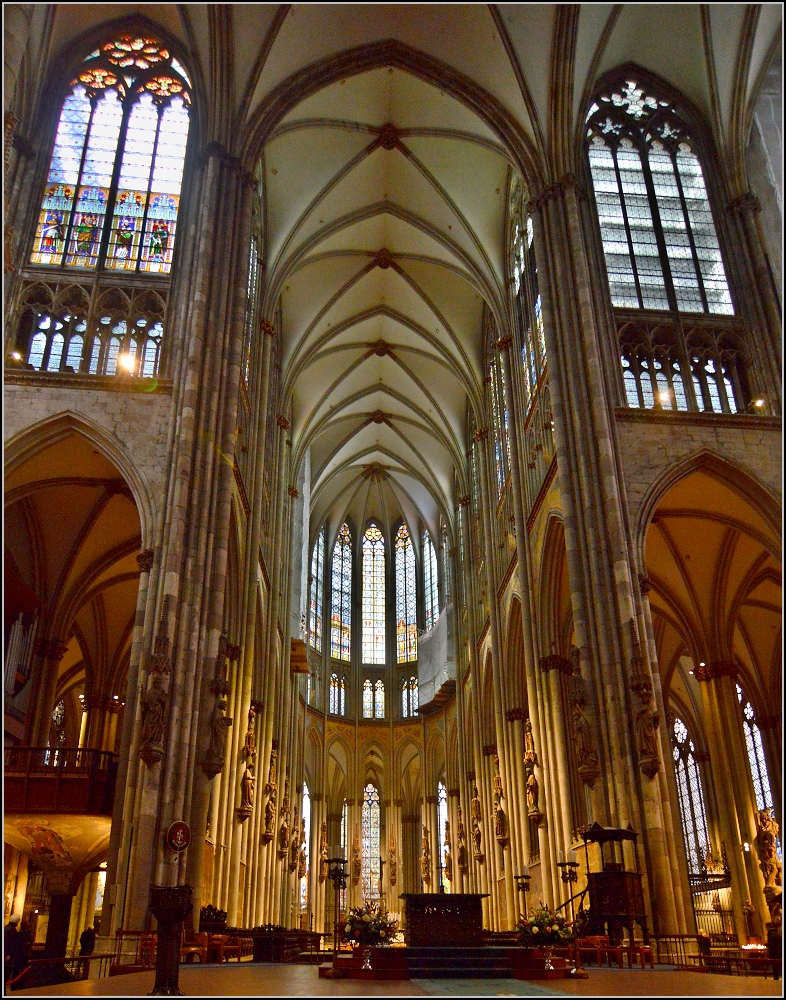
[[59, 780]]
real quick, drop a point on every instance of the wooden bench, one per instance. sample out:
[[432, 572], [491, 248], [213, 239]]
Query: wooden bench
[[195, 947]]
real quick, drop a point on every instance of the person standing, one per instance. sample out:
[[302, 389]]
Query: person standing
[[87, 941]]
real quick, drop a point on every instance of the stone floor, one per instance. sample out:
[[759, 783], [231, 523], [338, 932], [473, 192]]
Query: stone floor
[[247, 980]]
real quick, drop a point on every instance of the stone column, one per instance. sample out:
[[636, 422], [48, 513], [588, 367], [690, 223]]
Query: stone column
[[50, 652], [607, 613]]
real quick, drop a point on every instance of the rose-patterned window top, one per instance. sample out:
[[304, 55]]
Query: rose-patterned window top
[[113, 189]]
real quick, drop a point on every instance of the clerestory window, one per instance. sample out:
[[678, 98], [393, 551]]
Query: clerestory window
[[406, 610], [691, 796]]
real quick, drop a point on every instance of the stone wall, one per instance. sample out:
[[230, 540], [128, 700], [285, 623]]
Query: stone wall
[[651, 443], [135, 422]]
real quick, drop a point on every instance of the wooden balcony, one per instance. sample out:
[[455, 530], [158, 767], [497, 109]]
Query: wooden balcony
[[62, 780]]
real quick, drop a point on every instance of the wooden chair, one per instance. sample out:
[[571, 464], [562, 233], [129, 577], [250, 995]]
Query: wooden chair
[[638, 953], [195, 947]]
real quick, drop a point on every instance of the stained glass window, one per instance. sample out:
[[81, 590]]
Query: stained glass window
[[338, 687], [252, 295], [344, 830], [445, 566], [691, 796], [341, 599], [379, 700], [373, 596], [442, 816], [756, 758], [307, 832], [659, 239], [368, 699], [499, 416], [119, 155], [409, 696], [430, 581], [529, 312], [406, 610], [369, 844], [315, 594]]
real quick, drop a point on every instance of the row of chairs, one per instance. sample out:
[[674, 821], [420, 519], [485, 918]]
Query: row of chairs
[[215, 947], [599, 948]]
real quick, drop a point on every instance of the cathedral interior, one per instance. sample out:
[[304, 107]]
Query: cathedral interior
[[392, 459]]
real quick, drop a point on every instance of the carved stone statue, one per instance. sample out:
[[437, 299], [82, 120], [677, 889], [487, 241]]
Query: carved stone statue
[[392, 861], [500, 826], [497, 779], [283, 833], [645, 720], [154, 701], [533, 793], [250, 743], [476, 813], [271, 787], [460, 831], [270, 819], [323, 854], [247, 784], [530, 757], [425, 858], [294, 848], [302, 861], [587, 760], [447, 868], [771, 868], [477, 838], [213, 761]]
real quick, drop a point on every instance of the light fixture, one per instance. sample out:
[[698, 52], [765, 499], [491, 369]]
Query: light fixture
[[126, 361], [664, 396], [759, 403], [690, 672], [16, 355], [702, 664], [746, 846], [114, 696]]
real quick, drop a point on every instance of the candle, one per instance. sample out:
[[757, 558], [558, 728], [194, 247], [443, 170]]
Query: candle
[[572, 857], [561, 857], [526, 871]]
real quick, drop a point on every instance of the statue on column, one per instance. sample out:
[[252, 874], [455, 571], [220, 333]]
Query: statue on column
[[587, 760], [302, 864], [497, 780], [392, 861], [294, 847], [283, 831], [249, 750], [323, 854], [461, 839], [532, 787], [447, 864], [425, 858], [645, 720], [154, 702], [767, 830], [500, 825], [213, 761], [246, 792], [270, 819]]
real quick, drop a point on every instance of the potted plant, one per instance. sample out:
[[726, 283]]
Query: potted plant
[[369, 927], [545, 930]]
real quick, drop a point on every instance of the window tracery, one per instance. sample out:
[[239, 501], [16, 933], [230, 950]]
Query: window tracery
[[113, 188], [341, 596], [315, 591], [430, 581], [691, 796], [442, 817], [369, 845], [337, 696], [406, 609], [756, 759], [409, 696], [373, 595]]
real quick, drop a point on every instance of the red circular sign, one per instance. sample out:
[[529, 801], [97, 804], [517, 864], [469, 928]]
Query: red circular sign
[[178, 836]]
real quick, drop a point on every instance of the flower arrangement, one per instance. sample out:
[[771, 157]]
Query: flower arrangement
[[368, 925], [545, 928]]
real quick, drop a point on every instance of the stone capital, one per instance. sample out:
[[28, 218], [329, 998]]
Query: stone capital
[[490, 750], [481, 434], [554, 662], [52, 649], [504, 343], [293, 492], [282, 421], [712, 671], [463, 500], [145, 560]]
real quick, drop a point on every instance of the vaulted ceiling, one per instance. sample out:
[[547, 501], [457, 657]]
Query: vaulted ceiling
[[385, 189]]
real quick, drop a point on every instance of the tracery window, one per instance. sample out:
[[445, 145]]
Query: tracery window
[[527, 298], [373, 596], [113, 189], [307, 842], [442, 816], [369, 843], [430, 581], [337, 697], [315, 593], [446, 565], [691, 796], [499, 415], [406, 609], [373, 699], [341, 596], [659, 238], [409, 696], [756, 758]]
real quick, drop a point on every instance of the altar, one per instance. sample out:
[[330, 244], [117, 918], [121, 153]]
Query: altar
[[435, 919]]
